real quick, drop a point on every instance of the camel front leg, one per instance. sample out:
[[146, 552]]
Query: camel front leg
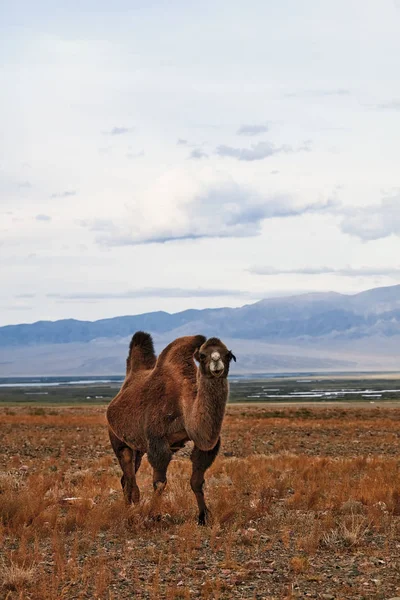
[[201, 461]]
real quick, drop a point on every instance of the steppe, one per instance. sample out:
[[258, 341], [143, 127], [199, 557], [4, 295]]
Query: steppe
[[305, 501]]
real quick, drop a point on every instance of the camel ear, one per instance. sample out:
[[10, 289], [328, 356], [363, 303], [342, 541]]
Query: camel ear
[[196, 355], [231, 356]]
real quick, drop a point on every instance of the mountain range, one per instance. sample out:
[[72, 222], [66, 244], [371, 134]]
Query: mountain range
[[307, 332]]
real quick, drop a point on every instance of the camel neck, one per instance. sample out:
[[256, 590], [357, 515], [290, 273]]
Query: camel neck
[[206, 413]]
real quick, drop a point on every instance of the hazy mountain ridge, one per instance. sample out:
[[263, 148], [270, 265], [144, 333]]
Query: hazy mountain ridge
[[71, 330], [327, 331], [374, 311]]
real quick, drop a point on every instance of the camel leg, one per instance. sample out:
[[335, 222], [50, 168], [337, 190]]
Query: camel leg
[[159, 454], [201, 461], [129, 461]]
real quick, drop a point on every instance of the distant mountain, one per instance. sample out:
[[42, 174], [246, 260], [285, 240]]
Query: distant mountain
[[66, 331], [319, 331], [375, 311]]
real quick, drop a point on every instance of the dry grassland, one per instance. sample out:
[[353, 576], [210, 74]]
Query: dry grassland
[[305, 502]]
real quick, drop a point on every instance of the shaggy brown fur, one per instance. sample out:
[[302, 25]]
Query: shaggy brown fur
[[165, 402], [141, 353]]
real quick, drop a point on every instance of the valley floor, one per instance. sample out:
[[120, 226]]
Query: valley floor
[[305, 502]]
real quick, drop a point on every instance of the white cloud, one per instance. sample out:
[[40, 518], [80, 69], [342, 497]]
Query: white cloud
[[392, 105], [255, 152], [342, 271], [318, 93], [119, 131], [198, 153], [66, 194], [252, 130], [146, 293], [183, 205], [374, 221]]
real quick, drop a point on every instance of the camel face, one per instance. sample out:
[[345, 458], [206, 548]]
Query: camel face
[[214, 358]]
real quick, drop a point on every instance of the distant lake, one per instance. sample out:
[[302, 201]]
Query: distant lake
[[99, 379], [30, 382], [266, 387]]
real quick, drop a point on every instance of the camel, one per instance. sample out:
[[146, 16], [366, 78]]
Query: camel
[[163, 403]]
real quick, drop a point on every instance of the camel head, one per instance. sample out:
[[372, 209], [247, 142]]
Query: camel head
[[214, 358]]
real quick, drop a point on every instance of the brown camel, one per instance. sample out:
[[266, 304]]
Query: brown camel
[[165, 402]]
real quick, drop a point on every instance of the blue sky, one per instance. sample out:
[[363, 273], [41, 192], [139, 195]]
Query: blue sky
[[167, 155]]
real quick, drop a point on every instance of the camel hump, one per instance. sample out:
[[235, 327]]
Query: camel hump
[[141, 353], [180, 354]]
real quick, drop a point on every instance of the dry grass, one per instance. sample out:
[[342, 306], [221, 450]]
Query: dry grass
[[304, 503], [16, 578]]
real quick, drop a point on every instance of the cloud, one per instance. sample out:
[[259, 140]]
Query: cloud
[[24, 296], [25, 184], [375, 221], [43, 218], [197, 153], [256, 152], [14, 306], [318, 93], [181, 142], [66, 194], [133, 155], [105, 225], [252, 130], [343, 272], [149, 293], [181, 207], [392, 105], [119, 131]]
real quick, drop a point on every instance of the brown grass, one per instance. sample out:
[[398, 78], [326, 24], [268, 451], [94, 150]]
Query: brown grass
[[16, 578], [304, 503]]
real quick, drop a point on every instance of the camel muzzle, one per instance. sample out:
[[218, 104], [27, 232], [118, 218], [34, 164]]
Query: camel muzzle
[[217, 367]]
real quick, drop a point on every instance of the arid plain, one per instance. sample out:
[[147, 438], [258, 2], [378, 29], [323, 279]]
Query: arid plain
[[305, 502]]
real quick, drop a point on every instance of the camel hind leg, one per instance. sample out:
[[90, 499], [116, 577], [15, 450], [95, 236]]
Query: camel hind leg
[[159, 455], [201, 461], [129, 461]]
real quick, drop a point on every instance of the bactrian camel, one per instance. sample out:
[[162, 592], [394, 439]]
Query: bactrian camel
[[163, 403]]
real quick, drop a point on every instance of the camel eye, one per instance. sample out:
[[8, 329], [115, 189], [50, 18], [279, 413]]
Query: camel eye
[[202, 356]]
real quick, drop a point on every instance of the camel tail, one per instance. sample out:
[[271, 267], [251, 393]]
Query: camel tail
[[141, 353]]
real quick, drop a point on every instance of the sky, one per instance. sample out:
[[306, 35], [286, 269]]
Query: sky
[[164, 155]]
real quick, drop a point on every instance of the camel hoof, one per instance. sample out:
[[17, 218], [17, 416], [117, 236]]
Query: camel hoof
[[127, 500], [204, 518]]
